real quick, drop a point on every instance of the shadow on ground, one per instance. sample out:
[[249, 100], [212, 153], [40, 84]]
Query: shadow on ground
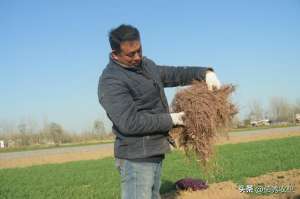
[[167, 186]]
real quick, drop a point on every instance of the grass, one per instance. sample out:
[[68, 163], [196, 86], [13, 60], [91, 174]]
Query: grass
[[100, 179], [238, 161]]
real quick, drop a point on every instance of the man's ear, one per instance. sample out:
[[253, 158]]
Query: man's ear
[[114, 56]]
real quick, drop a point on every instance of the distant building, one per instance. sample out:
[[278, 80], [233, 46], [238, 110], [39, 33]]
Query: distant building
[[1, 144]]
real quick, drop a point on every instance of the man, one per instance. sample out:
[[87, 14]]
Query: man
[[131, 90]]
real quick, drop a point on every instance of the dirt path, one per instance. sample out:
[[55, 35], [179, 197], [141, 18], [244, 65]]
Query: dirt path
[[289, 181], [241, 137], [60, 155]]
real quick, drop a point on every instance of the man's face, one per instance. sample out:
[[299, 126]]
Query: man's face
[[130, 54]]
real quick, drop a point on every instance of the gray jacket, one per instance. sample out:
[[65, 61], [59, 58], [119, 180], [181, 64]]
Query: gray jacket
[[135, 101]]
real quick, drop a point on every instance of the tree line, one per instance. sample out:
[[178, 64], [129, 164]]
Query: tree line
[[278, 110], [52, 133]]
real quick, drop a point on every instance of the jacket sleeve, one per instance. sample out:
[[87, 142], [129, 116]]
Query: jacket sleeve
[[180, 76], [115, 97]]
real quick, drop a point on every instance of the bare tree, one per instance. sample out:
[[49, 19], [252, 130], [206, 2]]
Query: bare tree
[[281, 109], [56, 133], [98, 128], [297, 106], [24, 137], [256, 110], [236, 122], [7, 127]]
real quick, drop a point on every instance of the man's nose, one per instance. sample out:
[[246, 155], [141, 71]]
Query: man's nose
[[137, 56]]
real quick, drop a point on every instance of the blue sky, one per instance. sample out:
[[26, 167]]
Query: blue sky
[[53, 52]]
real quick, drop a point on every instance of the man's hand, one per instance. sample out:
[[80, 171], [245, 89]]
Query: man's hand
[[212, 80], [177, 118]]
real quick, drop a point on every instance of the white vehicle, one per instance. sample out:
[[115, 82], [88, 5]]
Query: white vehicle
[[264, 122], [298, 118], [1, 144]]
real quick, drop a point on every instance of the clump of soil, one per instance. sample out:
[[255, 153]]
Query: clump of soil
[[230, 190], [208, 114]]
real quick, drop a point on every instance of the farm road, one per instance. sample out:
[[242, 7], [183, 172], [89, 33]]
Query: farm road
[[66, 154], [261, 131], [54, 151]]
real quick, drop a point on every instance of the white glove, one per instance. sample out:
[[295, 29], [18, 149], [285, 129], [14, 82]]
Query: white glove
[[212, 80], [177, 118]]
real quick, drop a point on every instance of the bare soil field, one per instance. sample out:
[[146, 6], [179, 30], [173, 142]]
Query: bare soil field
[[46, 157], [229, 190], [254, 136]]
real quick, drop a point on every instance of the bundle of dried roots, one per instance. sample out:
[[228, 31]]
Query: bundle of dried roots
[[208, 114]]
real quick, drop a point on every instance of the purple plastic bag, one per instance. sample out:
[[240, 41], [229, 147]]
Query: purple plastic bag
[[191, 184]]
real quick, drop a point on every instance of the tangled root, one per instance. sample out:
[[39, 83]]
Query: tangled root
[[208, 114]]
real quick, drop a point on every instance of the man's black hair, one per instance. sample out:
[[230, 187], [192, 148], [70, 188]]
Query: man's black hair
[[121, 34]]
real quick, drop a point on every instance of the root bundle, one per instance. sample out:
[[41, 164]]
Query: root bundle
[[208, 114]]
